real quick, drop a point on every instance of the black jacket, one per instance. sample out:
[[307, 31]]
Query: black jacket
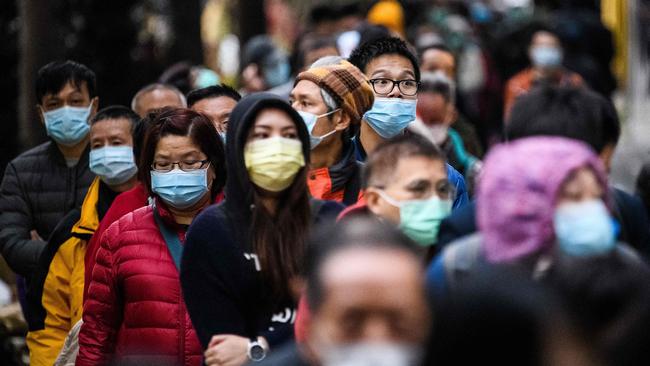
[[220, 276], [37, 191], [628, 211]]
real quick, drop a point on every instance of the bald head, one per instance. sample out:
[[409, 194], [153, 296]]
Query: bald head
[[156, 96]]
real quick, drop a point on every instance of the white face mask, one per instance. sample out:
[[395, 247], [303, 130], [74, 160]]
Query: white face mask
[[439, 133], [371, 354]]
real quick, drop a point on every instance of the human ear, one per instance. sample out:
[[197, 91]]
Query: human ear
[[343, 121]]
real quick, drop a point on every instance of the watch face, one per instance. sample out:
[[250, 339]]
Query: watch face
[[257, 352]]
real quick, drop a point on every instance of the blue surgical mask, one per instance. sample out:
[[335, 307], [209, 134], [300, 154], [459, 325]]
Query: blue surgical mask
[[277, 74], [390, 116], [178, 188], [546, 56], [310, 120], [67, 125], [113, 164], [585, 228], [223, 137]]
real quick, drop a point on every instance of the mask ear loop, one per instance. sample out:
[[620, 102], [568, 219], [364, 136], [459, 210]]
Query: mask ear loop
[[321, 138], [388, 198]]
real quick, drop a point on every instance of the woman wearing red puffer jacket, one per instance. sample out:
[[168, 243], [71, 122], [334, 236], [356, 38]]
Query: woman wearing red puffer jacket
[[134, 313]]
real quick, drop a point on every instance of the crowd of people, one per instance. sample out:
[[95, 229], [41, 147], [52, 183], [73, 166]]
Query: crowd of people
[[347, 210]]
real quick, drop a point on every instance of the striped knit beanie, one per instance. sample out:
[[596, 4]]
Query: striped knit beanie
[[346, 84]]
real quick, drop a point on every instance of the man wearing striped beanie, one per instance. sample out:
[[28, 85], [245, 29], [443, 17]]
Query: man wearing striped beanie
[[332, 98]]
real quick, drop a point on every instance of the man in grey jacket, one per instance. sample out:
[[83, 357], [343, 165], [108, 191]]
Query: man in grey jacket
[[42, 184]]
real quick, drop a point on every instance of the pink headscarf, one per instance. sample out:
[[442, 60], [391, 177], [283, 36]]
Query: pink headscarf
[[518, 190]]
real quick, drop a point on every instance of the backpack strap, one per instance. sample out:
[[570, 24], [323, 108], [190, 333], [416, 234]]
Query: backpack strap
[[460, 258]]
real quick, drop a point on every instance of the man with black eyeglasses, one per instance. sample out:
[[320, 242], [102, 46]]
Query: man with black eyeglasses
[[394, 74]]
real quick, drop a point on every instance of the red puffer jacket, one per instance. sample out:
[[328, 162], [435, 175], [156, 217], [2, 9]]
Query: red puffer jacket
[[134, 313]]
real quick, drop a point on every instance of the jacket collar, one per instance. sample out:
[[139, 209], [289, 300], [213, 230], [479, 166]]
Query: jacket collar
[[89, 221], [59, 159], [341, 172]]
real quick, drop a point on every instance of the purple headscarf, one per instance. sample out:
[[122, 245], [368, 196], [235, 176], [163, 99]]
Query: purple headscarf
[[518, 191]]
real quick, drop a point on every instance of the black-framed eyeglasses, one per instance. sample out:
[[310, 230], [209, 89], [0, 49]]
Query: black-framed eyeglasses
[[383, 86], [186, 166]]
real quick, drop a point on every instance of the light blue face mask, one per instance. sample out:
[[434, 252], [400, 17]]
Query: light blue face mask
[[205, 77], [223, 137], [180, 189], [546, 56], [310, 120], [585, 228], [390, 116], [277, 74], [113, 164], [67, 125]]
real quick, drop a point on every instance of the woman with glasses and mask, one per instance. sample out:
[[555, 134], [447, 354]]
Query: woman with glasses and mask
[[243, 255], [135, 313]]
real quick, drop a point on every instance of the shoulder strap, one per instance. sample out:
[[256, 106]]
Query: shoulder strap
[[460, 257], [171, 239], [351, 193]]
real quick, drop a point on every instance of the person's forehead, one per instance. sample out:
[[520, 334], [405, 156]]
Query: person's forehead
[[216, 104], [306, 88], [160, 94], [273, 117], [438, 56], [410, 166], [112, 125], [359, 267], [176, 144], [545, 38], [70, 87], [390, 64]]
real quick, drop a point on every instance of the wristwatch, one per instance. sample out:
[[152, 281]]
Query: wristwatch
[[256, 351]]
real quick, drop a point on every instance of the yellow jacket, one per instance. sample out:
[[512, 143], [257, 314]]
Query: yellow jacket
[[63, 286]]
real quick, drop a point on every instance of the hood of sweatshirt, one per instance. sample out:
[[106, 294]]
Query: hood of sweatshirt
[[239, 189]]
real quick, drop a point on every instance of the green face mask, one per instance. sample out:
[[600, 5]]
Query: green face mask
[[420, 219]]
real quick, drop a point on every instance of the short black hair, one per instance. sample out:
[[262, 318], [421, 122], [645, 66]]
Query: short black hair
[[52, 77], [383, 160], [358, 232], [214, 91], [116, 112], [366, 52], [574, 112]]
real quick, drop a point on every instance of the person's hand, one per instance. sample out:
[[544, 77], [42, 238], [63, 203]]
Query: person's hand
[[227, 350]]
